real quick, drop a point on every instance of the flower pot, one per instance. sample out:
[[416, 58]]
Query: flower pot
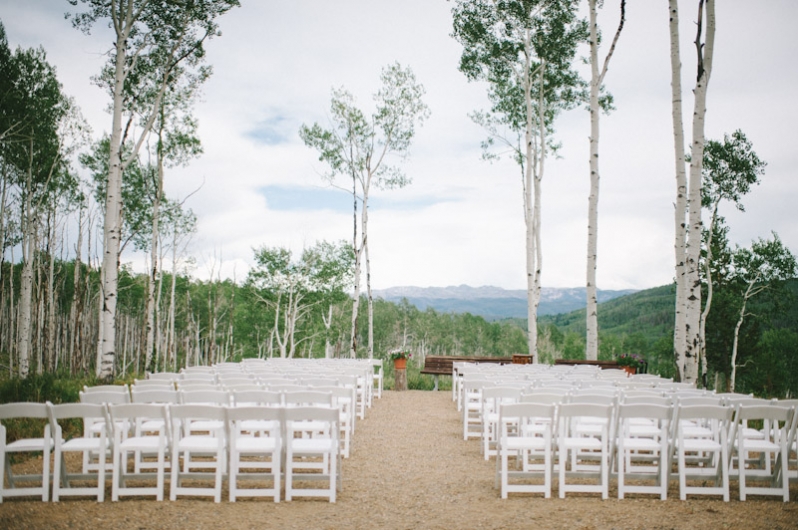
[[400, 364], [631, 370]]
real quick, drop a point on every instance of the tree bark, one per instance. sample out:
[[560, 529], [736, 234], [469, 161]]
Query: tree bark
[[705, 53], [26, 281], [680, 208], [596, 80]]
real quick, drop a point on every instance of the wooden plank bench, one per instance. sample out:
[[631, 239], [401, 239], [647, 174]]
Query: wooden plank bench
[[437, 365]]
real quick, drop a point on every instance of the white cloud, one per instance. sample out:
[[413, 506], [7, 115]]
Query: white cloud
[[461, 219]]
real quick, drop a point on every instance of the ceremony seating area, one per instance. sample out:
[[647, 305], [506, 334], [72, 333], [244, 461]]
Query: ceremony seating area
[[587, 427], [260, 426]]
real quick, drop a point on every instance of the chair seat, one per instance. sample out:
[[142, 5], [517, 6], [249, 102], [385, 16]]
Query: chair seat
[[641, 444], [198, 443], [701, 444], [311, 445], [28, 444], [518, 443], [247, 444], [259, 425], [140, 443], [581, 443], [206, 425], [84, 444]]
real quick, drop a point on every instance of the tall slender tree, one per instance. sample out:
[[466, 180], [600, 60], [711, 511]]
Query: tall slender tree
[[687, 215], [730, 169], [525, 50], [154, 38], [361, 148], [596, 80]]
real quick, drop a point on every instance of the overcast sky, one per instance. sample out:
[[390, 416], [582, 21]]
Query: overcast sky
[[461, 219]]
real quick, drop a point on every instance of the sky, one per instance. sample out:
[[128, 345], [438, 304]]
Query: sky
[[461, 219]]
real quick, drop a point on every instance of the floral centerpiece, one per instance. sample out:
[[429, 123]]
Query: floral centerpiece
[[632, 360], [399, 353]]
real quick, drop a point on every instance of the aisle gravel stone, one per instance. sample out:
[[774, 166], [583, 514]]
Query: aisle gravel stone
[[410, 469]]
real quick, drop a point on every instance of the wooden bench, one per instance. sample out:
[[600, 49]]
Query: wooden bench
[[437, 365]]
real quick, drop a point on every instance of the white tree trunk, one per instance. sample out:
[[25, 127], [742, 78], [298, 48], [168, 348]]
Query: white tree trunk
[[26, 284], [327, 319], [680, 236], [170, 335], [153, 277], [702, 330], [591, 344], [357, 248], [113, 221], [693, 288], [369, 297]]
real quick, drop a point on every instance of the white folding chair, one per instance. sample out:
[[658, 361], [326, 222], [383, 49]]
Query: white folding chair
[[771, 464], [644, 448], [472, 406], [187, 441], [94, 426], [94, 442], [44, 444], [378, 377], [299, 451], [714, 419], [343, 398], [525, 431], [255, 454], [491, 399], [584, 445], [148, 443]]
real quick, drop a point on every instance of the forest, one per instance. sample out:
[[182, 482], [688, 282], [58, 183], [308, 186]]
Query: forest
[[74, 205]]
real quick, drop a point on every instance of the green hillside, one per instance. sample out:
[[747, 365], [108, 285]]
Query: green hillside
[[648, 312]]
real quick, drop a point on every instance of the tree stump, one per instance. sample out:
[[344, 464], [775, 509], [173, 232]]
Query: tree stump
[[400, 379]]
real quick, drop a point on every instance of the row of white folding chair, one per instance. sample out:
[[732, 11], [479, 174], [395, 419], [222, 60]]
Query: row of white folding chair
[[340, 397], [253, 431], [176, 429], [645, 453]]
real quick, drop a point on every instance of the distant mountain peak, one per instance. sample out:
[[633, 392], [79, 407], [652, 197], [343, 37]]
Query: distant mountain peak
[[492, 302]]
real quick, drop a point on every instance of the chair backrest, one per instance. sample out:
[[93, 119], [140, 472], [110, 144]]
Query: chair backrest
[[124, 414], [646, 399], [323, 414], [590, 398], [154, 383], [526, 413], [23, 410], [542, 398], [307, 398], [104, 397], [662, 413], [106, 388], [579, 410], [690, 401], [154, 395], [256, 397], [196, 411], [707, 412], [254, 413], [162, 376], [209, 377], [92, 411], [208, 396]]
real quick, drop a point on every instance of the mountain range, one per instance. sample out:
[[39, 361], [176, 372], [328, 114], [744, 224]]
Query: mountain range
[[493, 303]]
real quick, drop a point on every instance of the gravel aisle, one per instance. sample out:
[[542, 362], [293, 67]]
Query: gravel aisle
[[410, 468]]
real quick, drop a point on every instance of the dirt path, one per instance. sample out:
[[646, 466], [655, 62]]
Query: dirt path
[[410, 468]]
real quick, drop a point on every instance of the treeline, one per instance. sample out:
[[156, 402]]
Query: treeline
[[213, 321], [642, 323]]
